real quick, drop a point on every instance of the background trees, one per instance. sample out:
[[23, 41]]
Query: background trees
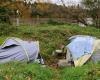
[[93, 9], [49, 10]]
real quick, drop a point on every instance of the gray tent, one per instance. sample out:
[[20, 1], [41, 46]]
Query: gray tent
[[17, 49]]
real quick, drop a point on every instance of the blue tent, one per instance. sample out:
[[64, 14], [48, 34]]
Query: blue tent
[[81, 48], [17, 49]]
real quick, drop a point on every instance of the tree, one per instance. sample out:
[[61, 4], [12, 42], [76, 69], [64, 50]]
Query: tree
[[93, 8]]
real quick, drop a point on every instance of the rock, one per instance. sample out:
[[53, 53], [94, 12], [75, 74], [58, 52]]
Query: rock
[[81, 24], [63, 63]]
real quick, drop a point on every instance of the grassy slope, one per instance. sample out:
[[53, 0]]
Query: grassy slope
[[50, 37]]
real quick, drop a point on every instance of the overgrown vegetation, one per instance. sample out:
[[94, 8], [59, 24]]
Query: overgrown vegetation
[[5, 14]]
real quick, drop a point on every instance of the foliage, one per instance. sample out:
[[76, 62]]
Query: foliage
[[20, 5], [48, 10], [5, 15], [54, 22], [55, 11], [93, 7], [5, 23]]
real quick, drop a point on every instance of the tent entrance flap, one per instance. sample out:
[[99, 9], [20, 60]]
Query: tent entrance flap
[[9, 42]]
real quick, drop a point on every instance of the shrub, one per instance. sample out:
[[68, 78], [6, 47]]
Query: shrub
[[55, 22], [4, 18], [5, 14]]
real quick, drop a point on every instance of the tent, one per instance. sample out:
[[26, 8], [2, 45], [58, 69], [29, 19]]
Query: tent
[[81, 48], [18, 50]]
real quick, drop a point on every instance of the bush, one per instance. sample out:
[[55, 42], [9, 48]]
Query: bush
[[5, 14], [5, 19], [6, 28], [54, 22]]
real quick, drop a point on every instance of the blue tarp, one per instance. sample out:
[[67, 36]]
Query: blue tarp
[[17, 49], [80, 45]]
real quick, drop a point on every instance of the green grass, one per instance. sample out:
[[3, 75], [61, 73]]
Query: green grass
[[23, 71], [32, 71], [50, 38], [86, 72]]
